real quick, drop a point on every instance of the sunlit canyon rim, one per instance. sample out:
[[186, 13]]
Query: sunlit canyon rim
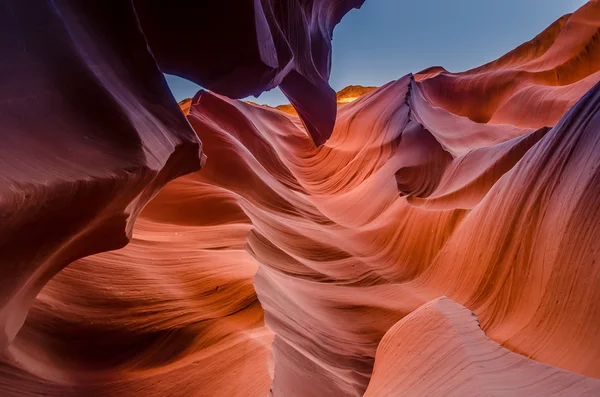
[[436, 236]]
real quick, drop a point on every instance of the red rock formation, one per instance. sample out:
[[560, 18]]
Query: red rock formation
[[439, 350], [172, 314], [539, 273], [352, 93], [185, 105], [90, 131], [413, 198], [89, 134], [268, 43], [332, 285], [344, 96], [531, 86]]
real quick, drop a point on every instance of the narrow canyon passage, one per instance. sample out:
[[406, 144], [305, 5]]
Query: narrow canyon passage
[[442, 241]]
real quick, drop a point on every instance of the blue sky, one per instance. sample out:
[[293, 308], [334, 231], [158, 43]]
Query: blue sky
[[387, 39]]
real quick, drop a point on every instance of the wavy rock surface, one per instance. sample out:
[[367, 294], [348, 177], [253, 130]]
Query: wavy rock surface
[[414, 197], [531, 86], [332, 286], [172, 314], [89, 134], [439, 349], [344, 96], [268, 43]]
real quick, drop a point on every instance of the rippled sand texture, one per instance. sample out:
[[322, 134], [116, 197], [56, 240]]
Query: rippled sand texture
[[445, 236]]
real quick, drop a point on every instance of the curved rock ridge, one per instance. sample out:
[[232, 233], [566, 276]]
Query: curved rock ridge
[[533, 289], [268, 43], [531, 86], [288, 269], [352, 92], [439, 349], [185, 105], [100, 101], [332, 285], [345, 95], [174, 313], [89, 134]]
